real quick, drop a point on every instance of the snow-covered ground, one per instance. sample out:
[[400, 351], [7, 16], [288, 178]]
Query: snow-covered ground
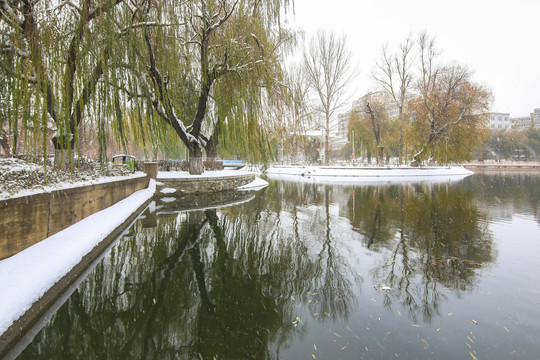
[[171, 175], [21, 178], [358, 171], [25, 277], [256, 184], [356, 174]]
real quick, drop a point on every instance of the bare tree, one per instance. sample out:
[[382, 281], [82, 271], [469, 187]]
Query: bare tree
[[328, 70], [394, 74], [299, 111], [449, 104]]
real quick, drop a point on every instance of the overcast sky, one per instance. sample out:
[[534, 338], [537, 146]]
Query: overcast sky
[[499, 40]]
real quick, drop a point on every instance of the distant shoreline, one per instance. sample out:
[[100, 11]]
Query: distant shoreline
[[364, 171]]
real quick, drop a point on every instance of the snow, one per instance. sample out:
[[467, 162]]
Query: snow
[[20, 177], [357, 171], [339, 175], [68, 185], [256, 184], [169, 175], [52, 258], [167, 199], [167, 191]]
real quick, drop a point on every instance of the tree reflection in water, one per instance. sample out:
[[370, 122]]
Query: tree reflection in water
[[434, 239], [229, 283]]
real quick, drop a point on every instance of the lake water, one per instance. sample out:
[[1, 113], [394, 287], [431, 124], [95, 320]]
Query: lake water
[[446, 270]]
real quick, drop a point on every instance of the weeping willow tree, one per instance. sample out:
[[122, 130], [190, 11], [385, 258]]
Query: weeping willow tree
[[205, 69], [59, 57], [205, 65]]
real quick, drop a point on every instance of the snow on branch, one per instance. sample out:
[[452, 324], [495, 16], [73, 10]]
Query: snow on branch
[[62, 4], [6, 49], [223, 19], [125, 29]]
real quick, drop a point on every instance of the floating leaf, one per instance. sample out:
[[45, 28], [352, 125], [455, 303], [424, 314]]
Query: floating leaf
[[513, 352], [450, 314], [474, 357], [399, 313], [425, 342], [470, 347], [315, 314], [336, 334], [474, 322], [315, 347], [438, 329], [506, 329], [471, 340], [313, 356], [344, 347], [416, 325]]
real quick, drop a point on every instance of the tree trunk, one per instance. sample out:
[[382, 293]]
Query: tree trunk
[[212, 144], [417, 158], [211, 153], [63, 151], [327, 141], [400, 138], [196, 166], [4, 143]]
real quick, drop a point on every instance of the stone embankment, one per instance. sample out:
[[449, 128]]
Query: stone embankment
[[29, 219]]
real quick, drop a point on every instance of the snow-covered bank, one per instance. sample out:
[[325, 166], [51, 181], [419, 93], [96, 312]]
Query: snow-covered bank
[[255, 185], [336, 174], [357, 171], [25, 277], [171, 175], [21, 178]]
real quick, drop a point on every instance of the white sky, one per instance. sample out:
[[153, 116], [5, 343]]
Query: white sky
[[499, 40]]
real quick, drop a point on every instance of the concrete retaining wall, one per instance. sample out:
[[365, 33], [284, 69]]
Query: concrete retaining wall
[[199, 185], [27, 220]]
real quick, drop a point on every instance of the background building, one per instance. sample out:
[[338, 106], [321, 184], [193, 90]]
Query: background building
[[358, 106], [535, 118], [343, 124], [499, 121], [521, 123]]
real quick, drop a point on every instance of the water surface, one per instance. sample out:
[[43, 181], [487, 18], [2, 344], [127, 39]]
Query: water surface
[[316, 271]]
